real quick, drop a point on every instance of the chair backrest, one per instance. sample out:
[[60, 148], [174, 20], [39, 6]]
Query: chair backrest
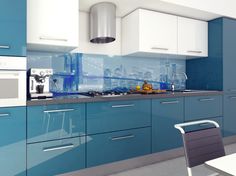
[[203, 145]]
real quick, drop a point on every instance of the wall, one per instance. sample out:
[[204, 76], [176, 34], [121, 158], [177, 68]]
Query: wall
[[85, 72]]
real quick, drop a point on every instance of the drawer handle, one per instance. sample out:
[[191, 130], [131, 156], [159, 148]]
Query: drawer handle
[[4, 47], [58, 148], [4, 115], [169, 102], [58, 110], [122, 106], [159, 48], [206, 99], [232, 98], [122, 137], [232, 90], [194, 51], [51, 38]]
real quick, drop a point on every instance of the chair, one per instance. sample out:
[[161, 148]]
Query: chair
[[201, 145]]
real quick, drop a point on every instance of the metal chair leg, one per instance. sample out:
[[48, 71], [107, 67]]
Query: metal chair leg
[[189, 171]]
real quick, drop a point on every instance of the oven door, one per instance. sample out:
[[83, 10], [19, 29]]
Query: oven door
[[12, 88]]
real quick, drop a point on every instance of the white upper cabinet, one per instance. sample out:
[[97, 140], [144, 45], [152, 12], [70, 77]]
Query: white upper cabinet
[[52, 25], [145, 31], [192, 37], [148, 33]]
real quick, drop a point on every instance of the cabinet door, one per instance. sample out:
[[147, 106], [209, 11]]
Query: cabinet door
[[117, 146], [192, 37], [202, 107], [229, 55], [229, 115], [55, 157], [118, 115], [55, 122], [13, 141], [165, 114], [158, 32], [13, 28], [52, 22]]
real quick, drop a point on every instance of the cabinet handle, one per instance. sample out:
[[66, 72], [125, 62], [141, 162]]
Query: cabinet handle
[[232, 98], [169, 102], [4, 47], [58, 148], [58, 110], [206, 99], [55, 39], [122, 106], [122, 137], [232, 90], [159, 48], [194, 51], [4, 115]]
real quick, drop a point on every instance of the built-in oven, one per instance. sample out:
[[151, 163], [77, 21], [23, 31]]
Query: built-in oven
[[12, 81]]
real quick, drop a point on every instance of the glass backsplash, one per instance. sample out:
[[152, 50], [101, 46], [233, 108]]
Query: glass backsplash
[[83, 72]]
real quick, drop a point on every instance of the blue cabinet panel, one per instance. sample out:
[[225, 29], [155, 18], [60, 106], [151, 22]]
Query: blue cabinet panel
[[55, 122], [118, 115], [230, 115], [55, 157], [13, 141], [165, 114], [201, 107], [115, 146], [13, 27]]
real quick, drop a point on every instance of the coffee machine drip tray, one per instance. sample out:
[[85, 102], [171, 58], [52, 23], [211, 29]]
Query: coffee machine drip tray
[[41, 96]]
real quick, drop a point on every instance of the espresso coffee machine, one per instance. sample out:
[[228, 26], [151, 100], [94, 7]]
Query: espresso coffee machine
[[38, 80]]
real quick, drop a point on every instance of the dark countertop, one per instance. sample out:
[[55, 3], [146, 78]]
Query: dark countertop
[[84, 99]]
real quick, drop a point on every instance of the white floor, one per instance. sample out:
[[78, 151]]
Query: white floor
[[175, 167]]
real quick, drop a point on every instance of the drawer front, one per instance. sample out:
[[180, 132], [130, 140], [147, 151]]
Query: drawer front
[[118, 115], [165, 114], [203, 107], [55, 122], [13, 141], [55, 157], [230, 115], [219, 120], [110, 147]]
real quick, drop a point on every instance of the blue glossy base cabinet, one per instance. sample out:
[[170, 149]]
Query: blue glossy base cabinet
[[13, 141], [230, 115], [13, 28], [118, 115], [55, 122], [55, 157], [165, 114], [115, 146]]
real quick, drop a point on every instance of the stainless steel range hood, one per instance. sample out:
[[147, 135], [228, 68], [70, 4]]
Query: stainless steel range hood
[[103, 23]]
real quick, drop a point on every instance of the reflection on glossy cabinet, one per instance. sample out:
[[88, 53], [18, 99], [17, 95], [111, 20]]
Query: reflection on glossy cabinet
[[55, 157], [13, 141], [192, 37], [13, 28], [55, 122], [165, 114], [52, 24]]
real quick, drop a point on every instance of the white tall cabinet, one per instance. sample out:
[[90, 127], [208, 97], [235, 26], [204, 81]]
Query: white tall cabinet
[[52, 24]]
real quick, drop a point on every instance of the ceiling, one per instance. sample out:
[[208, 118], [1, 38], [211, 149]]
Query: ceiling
[[124, 7]]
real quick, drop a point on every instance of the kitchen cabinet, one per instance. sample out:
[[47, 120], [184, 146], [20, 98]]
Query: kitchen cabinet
[[55, 157], [117, 146], [217, 70], [53, 122], [229, 114], [202, 107], [150, 32], [13, 141], [52, 25], [118, 115], [165, 114], [192, 37], [13, 28]]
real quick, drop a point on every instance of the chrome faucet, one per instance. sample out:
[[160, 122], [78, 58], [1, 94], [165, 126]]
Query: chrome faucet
[[172, 86]]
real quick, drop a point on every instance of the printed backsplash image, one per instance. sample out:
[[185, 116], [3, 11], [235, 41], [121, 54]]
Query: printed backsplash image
[[84, 72]]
